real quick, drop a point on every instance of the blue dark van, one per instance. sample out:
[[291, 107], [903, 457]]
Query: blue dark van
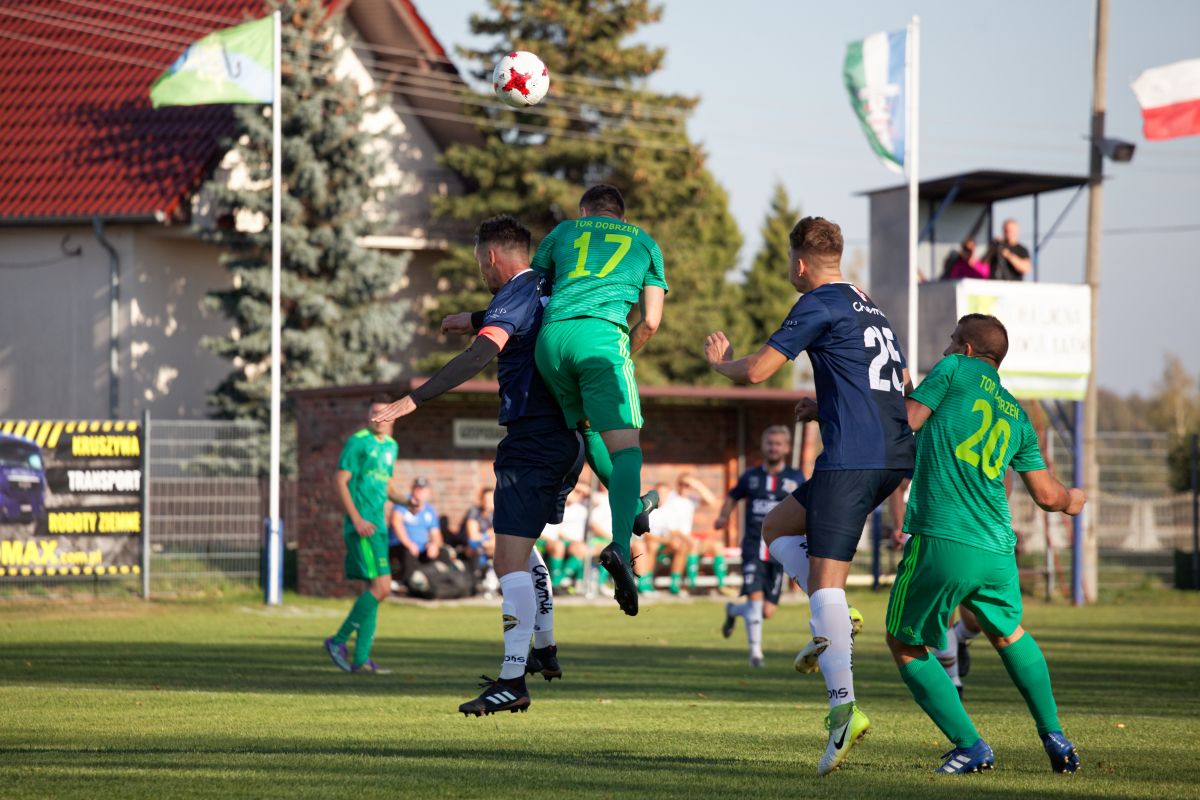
[[22, 480]]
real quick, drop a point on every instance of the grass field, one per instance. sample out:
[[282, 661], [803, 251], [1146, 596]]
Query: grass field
[[116, 699]]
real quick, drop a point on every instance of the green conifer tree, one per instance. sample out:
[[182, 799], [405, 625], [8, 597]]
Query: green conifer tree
[[340, 325], [600, 123]]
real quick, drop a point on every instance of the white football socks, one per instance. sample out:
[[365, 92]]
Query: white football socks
[[964, 633], [792, 553], [543, 591], [754, 623], [519, 609], [948, 657], [831, 619]]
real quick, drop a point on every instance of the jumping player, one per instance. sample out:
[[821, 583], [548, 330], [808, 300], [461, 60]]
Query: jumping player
[[961, 545], [868, 449], [602, 268], [762, 488]]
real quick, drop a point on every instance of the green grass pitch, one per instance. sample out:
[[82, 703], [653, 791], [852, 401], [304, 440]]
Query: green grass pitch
[[229, 699]]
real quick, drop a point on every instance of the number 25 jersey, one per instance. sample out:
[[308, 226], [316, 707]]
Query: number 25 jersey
[[858, 369]]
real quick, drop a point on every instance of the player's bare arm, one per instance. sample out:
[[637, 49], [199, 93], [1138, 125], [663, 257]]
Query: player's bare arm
[[361, 526], [723, 515], [754, 368], [649, 316], [807, 410], [1050, 495], [918, 413]]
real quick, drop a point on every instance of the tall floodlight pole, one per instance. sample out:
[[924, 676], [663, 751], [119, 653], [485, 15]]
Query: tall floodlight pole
[[1085, 555], [911, 161]]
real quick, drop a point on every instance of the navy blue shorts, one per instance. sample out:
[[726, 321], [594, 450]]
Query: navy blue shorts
[[762, 576], [536, 468], [837, 504]]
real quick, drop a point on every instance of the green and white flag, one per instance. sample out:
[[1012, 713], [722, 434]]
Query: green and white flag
[[232, 65], [874, 75]]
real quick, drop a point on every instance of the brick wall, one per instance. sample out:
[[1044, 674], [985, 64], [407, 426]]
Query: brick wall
[[687, 432]]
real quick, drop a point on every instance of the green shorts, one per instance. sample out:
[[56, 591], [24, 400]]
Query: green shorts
[[367, 557], [936, 576], [586, 365]]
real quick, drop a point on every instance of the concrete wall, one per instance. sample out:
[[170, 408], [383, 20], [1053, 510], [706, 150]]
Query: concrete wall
[[54, 323]]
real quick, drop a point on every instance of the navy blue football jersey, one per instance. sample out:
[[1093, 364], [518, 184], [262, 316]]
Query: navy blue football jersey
[[858, 367], [517, 309], [762, 491]]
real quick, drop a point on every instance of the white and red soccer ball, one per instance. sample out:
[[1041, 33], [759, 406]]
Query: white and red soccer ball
[[520, 79]]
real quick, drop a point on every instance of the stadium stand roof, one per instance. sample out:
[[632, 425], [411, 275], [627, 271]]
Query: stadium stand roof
[[990, 185], [78, 137]]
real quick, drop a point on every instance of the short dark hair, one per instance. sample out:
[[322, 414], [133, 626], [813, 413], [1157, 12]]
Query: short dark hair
[[504, 231], [603, 198], [817, 240], [380, 398], [986, 334]]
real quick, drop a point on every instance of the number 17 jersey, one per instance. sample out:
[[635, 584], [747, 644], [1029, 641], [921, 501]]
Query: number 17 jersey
[[598, 266], [858, 369]]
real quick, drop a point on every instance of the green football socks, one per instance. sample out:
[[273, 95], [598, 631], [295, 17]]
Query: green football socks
[[556, 569], [720, 570], [624, 494], [934, 692], [363, 607], [597, 455], [1027, 667], [692, 570]]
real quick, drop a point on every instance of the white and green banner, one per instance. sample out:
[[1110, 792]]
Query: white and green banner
[[875, 79], [232, 65]]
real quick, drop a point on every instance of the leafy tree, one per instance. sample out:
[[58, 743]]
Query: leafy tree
[[600, 122], [337, 327]]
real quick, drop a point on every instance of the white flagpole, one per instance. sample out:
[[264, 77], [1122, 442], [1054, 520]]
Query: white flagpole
[[274, 589], [912, 57]]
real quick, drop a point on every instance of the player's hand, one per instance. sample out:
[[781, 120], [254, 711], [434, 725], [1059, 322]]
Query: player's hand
[[806, 410], [1075, 502], [401, 408], [717, 348], [457, 323], [363, 528], [898, 538], [412, 550], [431, 551], [720, 522]]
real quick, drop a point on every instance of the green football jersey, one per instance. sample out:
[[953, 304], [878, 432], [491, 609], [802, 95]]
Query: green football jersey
[[598, 266], [369, 461], [976, 431]]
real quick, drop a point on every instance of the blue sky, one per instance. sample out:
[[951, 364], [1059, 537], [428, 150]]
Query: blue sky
[[1004, 85]]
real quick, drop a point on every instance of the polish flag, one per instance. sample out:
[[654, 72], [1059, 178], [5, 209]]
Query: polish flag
[[1170, 100]]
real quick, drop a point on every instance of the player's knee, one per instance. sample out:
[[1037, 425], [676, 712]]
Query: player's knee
[[901, 651], [768, 610], [1001, 642]]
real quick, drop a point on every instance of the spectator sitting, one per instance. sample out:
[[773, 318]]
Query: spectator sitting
[[680, 510], [475, 535], [566, 550], [647, 548], [416, 534], [1007, 257], [967, 265]]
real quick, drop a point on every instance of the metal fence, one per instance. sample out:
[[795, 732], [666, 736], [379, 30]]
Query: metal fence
[[205, 507]]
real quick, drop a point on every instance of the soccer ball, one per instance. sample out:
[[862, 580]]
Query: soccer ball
[[520, 79]]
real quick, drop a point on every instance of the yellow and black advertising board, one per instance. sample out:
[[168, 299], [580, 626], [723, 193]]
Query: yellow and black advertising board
[[70, 498]]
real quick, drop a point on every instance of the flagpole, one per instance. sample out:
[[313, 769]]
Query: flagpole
[[912, 57], [274, 589]]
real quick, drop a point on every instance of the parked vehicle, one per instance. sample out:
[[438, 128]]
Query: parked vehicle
[[22, 480]]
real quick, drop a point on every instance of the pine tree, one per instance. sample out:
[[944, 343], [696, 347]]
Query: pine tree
[[768, 294], [337, 327], [599, 123]]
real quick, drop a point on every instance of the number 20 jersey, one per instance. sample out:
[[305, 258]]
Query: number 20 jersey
[[858, 368]]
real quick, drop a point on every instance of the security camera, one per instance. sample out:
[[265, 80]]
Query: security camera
[[1117, 149]]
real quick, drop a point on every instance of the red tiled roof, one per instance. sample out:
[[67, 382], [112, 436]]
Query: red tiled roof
[[78, 137]]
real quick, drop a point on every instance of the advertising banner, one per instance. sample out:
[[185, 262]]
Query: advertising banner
[[70, 498]]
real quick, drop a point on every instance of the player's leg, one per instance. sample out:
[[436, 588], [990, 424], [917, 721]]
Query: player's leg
[[839, 503], [998, 608], [784, 530], [543, 657], [965, 630], [378, 590], [948, 657], [360, 565], [930, 581]]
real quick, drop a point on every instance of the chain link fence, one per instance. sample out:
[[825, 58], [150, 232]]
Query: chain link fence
[[206, 522]]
